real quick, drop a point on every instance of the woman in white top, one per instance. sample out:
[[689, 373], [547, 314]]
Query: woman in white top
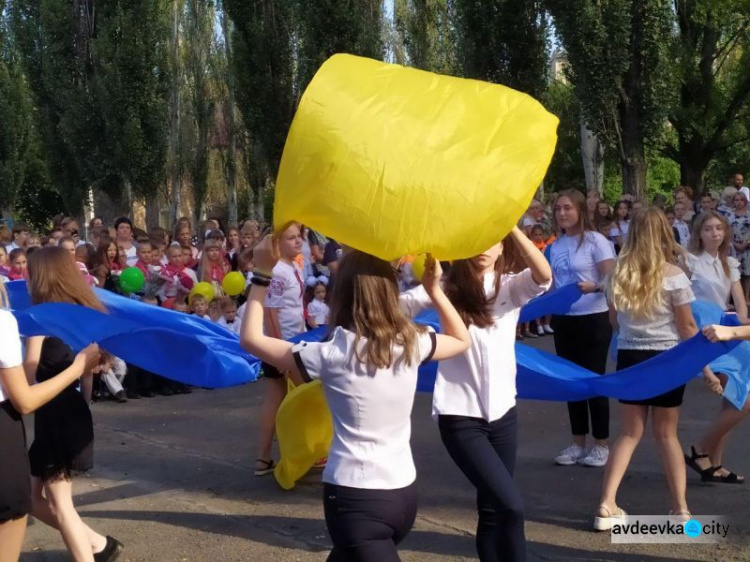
[[368, 369], [124, 239], [715, 276], [17, 398], [650, 300], [583, 335], [619, 230], [475, 393]]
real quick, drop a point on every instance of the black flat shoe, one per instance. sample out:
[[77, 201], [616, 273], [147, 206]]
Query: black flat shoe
[[111, 551]]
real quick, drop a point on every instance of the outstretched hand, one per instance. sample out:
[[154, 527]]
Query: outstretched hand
[[716, 333]]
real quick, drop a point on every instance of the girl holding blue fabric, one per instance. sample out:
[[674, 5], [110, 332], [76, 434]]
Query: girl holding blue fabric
[[368, 370], [585, 257], [715, 278], [474, 401], [649, 298]]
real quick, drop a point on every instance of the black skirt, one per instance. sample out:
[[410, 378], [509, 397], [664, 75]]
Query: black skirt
[[63, 428], [15, 482], [628, 358]]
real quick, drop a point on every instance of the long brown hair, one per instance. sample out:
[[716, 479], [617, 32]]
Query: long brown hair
[[579, 202], [365, 301], [465, 288], [55, 277], [696, 244]]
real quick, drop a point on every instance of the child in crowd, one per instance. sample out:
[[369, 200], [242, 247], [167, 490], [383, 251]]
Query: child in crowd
[[541, 240], [229, 315], [17, 265], [183, 237], [199, 306], [144, 257], [158, 252], [4, 261], [669, 213], [214, 309], [213, 266], [84, 253], [113, 371], [233, 242], [681, 225], [317, 309], [178, 278], [180, 304]]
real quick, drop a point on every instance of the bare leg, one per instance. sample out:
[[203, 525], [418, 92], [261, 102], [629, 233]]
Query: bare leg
[[272, 399], [633, 424], [11, 537], [715, 439], [665, 432], [42, 511]]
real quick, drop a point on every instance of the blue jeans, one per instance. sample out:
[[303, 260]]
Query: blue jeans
[[486, 454]]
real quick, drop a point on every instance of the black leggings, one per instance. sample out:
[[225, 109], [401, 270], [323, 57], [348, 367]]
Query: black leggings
[[585, 340], [486, 454], [366, 525]]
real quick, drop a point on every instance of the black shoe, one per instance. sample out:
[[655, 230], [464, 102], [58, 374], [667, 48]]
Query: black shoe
[[132, 395], [120, 396], [148, 394], [166, 391], [183, 389], [111, 551]]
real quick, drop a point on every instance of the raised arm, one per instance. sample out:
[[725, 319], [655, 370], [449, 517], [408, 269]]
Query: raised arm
[[534, 259], [455, 337]]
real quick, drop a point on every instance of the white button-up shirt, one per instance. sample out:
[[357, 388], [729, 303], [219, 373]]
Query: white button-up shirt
[[481, 383], [709, 280]]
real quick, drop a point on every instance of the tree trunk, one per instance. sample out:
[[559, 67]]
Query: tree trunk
[[152, 212], [592, 151], [175, 172], [694, 159], [127, 197], [231, 163]]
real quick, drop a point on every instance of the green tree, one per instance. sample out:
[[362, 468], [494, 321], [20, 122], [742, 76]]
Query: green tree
[[711, 115], [504, 42], [427, 32], [566, 169], [263, 65], [618, 66]]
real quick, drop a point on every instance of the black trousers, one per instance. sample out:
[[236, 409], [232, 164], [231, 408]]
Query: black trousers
[[486, 454], [585, 340], [366, 525]]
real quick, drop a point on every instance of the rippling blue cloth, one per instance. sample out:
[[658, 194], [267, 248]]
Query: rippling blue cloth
[[199, 352]]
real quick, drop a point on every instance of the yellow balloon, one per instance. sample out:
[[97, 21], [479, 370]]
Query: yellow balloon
[[394, 161], [418, 265], [233, 283], [304, 429], [202, 288]]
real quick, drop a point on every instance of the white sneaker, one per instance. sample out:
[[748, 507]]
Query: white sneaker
[[548, 329], [597, 456], [571, 455], [540, 330]]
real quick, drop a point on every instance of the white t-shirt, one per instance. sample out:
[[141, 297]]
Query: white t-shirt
[[709, 282], [619, 229], [10, 345], [572, 263], [131, 255], [371, 410], [318, 311], [285, 294], [481, 382]]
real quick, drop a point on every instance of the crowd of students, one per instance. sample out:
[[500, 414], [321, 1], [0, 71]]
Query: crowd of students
[[635, 276]]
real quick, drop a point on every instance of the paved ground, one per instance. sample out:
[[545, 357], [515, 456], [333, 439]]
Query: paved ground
[[173, 482]]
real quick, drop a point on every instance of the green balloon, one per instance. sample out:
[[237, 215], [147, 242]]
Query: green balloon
[[132, 280]]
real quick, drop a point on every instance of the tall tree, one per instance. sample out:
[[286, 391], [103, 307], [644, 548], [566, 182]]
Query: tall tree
[[175, 160], [428, 34], [504, 42], [263, 66], [230, 156], [712, 114], [327, 27], [618, 66]]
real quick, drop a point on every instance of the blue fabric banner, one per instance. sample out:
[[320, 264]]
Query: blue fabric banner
[[195, 351]]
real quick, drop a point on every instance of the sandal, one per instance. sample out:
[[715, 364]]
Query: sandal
[[684, 516], [709, 475], [270, 466], [690, 460], [610, 519]]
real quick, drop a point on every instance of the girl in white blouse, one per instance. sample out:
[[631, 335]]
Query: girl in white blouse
[[368, 369], [474, 400], [649, 300], [715, 276]]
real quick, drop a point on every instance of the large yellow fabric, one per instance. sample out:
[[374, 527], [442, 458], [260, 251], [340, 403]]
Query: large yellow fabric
[[304, 428], [393, 160]]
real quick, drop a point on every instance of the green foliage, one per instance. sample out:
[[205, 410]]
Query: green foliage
[[566, 169], [426, 27], [503, 42]]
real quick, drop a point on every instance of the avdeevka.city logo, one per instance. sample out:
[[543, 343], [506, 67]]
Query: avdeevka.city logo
[[669, 529]]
